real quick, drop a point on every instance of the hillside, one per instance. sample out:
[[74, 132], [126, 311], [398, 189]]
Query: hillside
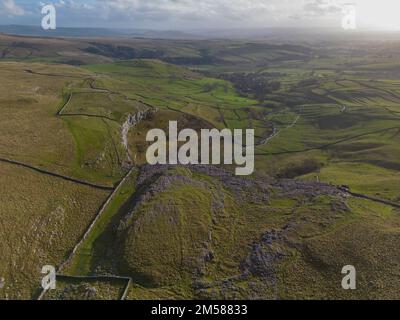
[[201, 232], [77, 192]]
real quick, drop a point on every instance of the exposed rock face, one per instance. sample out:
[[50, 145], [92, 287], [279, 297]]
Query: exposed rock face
[[183, 208], [256, 190], [265, 253], [131, 121], [291, 188], [339, 206], [180, 217]]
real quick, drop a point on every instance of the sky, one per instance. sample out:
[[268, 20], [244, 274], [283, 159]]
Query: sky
[[204, 14]]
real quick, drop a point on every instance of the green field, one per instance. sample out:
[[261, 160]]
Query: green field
[[326, 191]]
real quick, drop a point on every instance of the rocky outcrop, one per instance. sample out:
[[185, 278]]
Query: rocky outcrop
[[181, 215], [131, 121], [82, 291], [265, 254]]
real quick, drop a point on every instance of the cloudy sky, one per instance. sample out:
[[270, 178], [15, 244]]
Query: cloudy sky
[[203, 14]]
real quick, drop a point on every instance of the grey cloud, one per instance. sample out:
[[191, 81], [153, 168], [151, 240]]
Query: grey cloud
[[206, 9], [322, 7], [188, 13], [10, 8]]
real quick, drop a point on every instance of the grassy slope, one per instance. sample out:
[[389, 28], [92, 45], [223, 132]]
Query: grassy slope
[[177, 88], [320, 240], [84, 259], [319, 247], [44, 217], [359, 147]]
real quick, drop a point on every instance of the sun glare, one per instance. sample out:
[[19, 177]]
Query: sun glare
[[383, 14]]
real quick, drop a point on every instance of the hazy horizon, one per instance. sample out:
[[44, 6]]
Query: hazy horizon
[[183, 15]]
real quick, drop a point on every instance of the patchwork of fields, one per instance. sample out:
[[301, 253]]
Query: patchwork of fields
[[76, 193]]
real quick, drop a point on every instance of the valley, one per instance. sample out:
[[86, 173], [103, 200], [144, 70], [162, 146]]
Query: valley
[[77, 192]]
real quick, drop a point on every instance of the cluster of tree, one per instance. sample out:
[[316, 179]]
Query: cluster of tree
[[252, 84]]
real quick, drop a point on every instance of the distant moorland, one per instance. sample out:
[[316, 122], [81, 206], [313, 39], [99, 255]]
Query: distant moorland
[[76, 192]]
